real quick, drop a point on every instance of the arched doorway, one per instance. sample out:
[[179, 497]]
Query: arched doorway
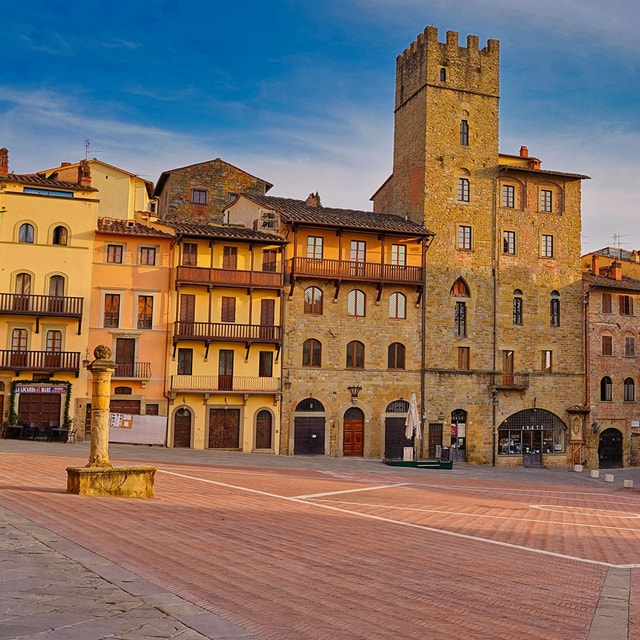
[[308, 438], [610, 449], [394, 429], [459, 435], [182, 428], [353, 432], [264, 429]]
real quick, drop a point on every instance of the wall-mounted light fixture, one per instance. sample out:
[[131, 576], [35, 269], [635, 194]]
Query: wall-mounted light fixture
[[354, 390], [286, 383], [86, 362], [594, 427]]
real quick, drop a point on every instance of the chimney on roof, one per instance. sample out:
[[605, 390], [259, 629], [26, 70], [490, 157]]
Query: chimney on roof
[[65, 164], [615, 271], [595, 264], [524, 152], [4, 161], [84, 174], [313, 200]]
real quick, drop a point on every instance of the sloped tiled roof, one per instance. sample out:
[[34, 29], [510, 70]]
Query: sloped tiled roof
[[201, 230], [299, 211], [35, 180], [129, 228], [609, 283], [510, 167]]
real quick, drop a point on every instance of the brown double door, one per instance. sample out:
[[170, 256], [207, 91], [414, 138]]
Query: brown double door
[[353, 433], [41, 409], [224, 428]]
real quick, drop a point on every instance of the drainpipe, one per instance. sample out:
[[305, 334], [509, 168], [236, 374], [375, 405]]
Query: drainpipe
[[423, 345], [494, 281]]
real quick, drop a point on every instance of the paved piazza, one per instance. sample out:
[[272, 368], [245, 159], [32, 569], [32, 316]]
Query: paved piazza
[[316, 548]]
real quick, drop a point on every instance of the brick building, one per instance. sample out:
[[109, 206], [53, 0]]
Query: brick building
[[503, 353]]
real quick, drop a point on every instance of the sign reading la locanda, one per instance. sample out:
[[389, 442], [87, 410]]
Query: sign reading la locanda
[[36, 388]]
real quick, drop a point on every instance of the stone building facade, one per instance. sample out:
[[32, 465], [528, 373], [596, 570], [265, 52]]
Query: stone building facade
[[503, 353], [200, 192]]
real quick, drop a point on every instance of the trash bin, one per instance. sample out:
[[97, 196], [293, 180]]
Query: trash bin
[[444, 454]]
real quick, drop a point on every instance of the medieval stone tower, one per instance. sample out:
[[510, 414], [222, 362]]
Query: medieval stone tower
[[499, 358]]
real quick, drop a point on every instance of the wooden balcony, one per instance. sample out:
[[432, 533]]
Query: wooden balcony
[[40, 361], [229, 277], [212, 384], [506, 381], [227, 331], [18, 304], [133, 370], [348, 270]]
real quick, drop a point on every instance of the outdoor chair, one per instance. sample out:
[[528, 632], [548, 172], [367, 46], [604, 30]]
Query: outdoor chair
[[71, 436]]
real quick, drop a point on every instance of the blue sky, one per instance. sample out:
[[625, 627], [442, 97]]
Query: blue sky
[[300, 92]]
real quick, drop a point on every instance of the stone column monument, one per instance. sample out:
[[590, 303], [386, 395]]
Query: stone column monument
[[99, 477]]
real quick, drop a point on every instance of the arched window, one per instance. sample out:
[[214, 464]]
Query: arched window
[[123, 391], [397, 406], [311, 353], [554, 309], [517, 307], [397, 305], [606, 389], [460, 319], [355, 355], [460, 289], [464, 133], [23, 284], [310, 404], [54, 341], [313, 300], [56, 286], [19, 340], [396, 355], [356, 303], [26, 233], [629, 390], [60, 235]]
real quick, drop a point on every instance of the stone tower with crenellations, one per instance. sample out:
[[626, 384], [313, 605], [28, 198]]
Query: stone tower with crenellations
[[507, 243]]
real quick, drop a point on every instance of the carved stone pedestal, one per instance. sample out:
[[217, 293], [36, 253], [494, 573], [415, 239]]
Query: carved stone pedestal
[[123, 482]]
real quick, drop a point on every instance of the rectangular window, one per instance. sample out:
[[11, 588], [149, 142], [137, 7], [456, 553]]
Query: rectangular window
[[314, 247], [463, 189], [148, 256], [114, 253], [199, 196], [399, 255], [464, 133], [607, 346], [269, 260], [546, 248], [111, 310], [145, 312], [228, 312], [547, 361], [152, 409], [464, 237], [626, 306], [554, 312], [509, 242], [606, 303], [463, 358], [508, 196], [517, 311], [189, 254], [230, 258], [185, 362], [460, 320], [545, 200], [629, 347], [265, 366]]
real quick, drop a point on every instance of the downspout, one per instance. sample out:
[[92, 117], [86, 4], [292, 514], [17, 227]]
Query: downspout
[[423, 346], [494, 278]]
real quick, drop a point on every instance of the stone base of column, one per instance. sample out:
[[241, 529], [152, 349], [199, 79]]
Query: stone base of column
[[122, 482]]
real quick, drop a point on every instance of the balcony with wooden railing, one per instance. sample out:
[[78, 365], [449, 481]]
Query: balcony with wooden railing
[[350, 270], [506, 381], [227, 331], [211, 384], [133, 370], [229, 277], [21, 304], [46, 361]]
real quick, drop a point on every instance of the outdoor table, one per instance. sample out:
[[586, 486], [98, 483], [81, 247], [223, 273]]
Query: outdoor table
[[13, 431], [58, 434]]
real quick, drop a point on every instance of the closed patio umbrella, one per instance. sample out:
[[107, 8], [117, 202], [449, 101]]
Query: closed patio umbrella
[[412, 423]]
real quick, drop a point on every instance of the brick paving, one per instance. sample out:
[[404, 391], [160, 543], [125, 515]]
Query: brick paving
[[298, 548]]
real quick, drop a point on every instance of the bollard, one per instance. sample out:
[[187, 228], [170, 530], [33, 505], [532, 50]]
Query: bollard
[[628, 484], [577, 468], [595, 473], [609, 477]]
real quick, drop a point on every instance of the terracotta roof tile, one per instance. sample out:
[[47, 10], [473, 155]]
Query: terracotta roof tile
[[202, 230], [609, 283], [129, 228], [35, 180]]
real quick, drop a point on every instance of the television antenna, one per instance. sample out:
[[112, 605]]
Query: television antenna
[[87, 148]]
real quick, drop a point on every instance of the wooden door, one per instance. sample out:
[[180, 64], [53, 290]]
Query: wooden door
[[39, 408], [125, 357], [353, 437], [52, 358], [187, 313], [394, 439], [358, 257], [308, 435], [182, 428], [435, 439], [507, 360], [264, 430], [19, 347], [267, 318], [224, 428], [129, 407], [225, 370]]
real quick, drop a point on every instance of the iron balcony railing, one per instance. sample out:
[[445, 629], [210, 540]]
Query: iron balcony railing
[[40, 360], [136, 370], [229, 277], [516, 381], [242, 384], [350, 270], [26, 304], [226, 331]]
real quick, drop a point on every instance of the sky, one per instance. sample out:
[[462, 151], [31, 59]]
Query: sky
[[300, 92]]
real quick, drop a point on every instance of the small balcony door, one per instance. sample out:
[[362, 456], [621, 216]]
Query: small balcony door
[[225, 370], [56, 294], [23, 290], [53, 349], [19, 348], [267, 319], [358, 256], [507, 367], [125, 357], [187, 313]]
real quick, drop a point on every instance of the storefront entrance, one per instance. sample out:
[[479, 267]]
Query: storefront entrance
[[308, 437]]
